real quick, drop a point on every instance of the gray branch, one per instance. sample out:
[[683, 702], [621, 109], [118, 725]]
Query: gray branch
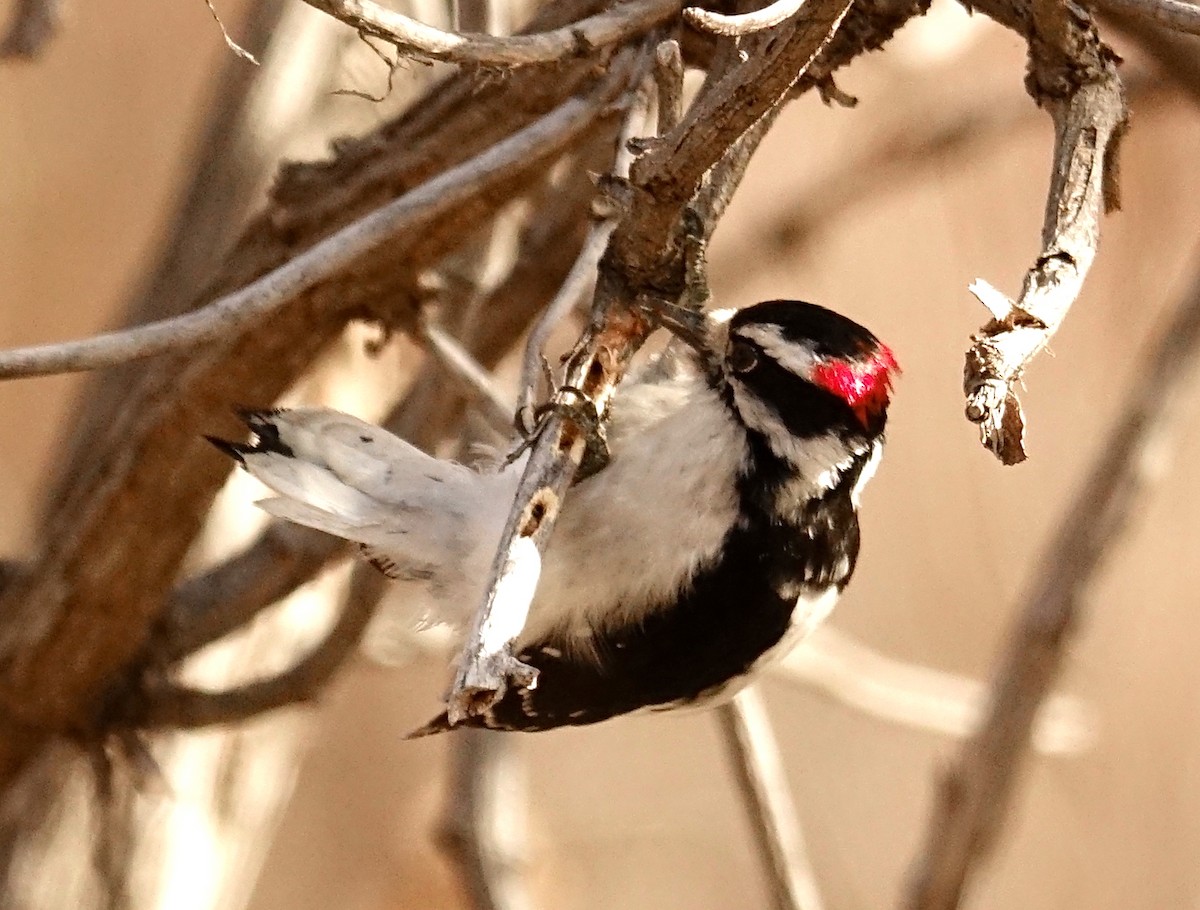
[[1074, 75], [975, 791], [416, 39], [762, 782], [258, 300]]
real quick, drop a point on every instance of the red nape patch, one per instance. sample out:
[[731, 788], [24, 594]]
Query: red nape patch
[[864, 385]]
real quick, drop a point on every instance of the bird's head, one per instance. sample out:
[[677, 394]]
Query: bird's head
[[794, 372]]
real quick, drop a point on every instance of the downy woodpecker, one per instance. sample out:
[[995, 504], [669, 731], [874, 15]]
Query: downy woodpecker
[[721, 531]]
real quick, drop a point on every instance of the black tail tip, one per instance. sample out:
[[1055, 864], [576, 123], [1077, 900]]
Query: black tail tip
[[235, 450], [259, 422], [255, 417]]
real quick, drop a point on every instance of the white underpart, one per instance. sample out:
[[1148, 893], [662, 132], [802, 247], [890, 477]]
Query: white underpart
[[631, 535]]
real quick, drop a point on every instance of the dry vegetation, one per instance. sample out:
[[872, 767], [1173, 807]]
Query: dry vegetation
[[468, 218]]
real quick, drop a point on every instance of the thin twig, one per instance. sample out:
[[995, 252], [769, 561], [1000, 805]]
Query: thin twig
[[483, 827], [258, 300], [911, 695], [169, 704], [645, 257], [1175, 14], [611, 27], [762, 781], [470, 376], [34, 23], [574, 290], [1074, 75], [731, 26], [229, 42], [581, 279], [977, 788], [222, 600]]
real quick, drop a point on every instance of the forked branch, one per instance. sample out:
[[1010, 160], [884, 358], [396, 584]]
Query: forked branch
[[1074, 75]]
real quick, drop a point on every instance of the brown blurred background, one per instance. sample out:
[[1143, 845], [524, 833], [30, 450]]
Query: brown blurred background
[[94, 144]]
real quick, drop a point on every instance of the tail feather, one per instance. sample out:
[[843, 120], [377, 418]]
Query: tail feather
[[430, 521]]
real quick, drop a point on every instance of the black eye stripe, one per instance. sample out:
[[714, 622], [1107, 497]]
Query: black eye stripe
[[743, 355]]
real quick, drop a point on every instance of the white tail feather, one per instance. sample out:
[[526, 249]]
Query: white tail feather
[[437, 522]]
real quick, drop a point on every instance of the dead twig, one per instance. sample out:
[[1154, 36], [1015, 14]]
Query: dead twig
[[581, 279], [168, 704], [731, 26], [762, 782], [258, 300], [668, 84], [1074, 75], [610, 27], [975, 791]]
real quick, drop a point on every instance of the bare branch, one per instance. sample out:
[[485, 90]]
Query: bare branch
[[424, 42], [220, 601], [470, 376], [743, 23], [274, 290], [674, 165], [912, 695], [581, 279], [1074, 75], [975, 791], [762, 781], [1175, 14], [483, 827], [34, 23], [167, 704], [578, 284]]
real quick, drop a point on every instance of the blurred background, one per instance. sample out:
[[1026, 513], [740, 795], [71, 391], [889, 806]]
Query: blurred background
[[885, 212]]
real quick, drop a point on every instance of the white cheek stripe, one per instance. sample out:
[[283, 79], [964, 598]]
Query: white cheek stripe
[[792, 356], [820, 460], [868, 472]]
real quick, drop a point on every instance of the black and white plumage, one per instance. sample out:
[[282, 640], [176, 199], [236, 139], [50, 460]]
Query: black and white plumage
[[722, 529]]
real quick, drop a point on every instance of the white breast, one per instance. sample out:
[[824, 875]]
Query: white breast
[[630, 536]]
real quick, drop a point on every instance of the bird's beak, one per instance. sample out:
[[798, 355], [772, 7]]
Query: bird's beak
[[688, 325]]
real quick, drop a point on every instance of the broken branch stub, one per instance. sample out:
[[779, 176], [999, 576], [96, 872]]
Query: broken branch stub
[[1073, 75]]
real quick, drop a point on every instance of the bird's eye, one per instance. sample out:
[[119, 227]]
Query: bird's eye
[[742, 357]]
